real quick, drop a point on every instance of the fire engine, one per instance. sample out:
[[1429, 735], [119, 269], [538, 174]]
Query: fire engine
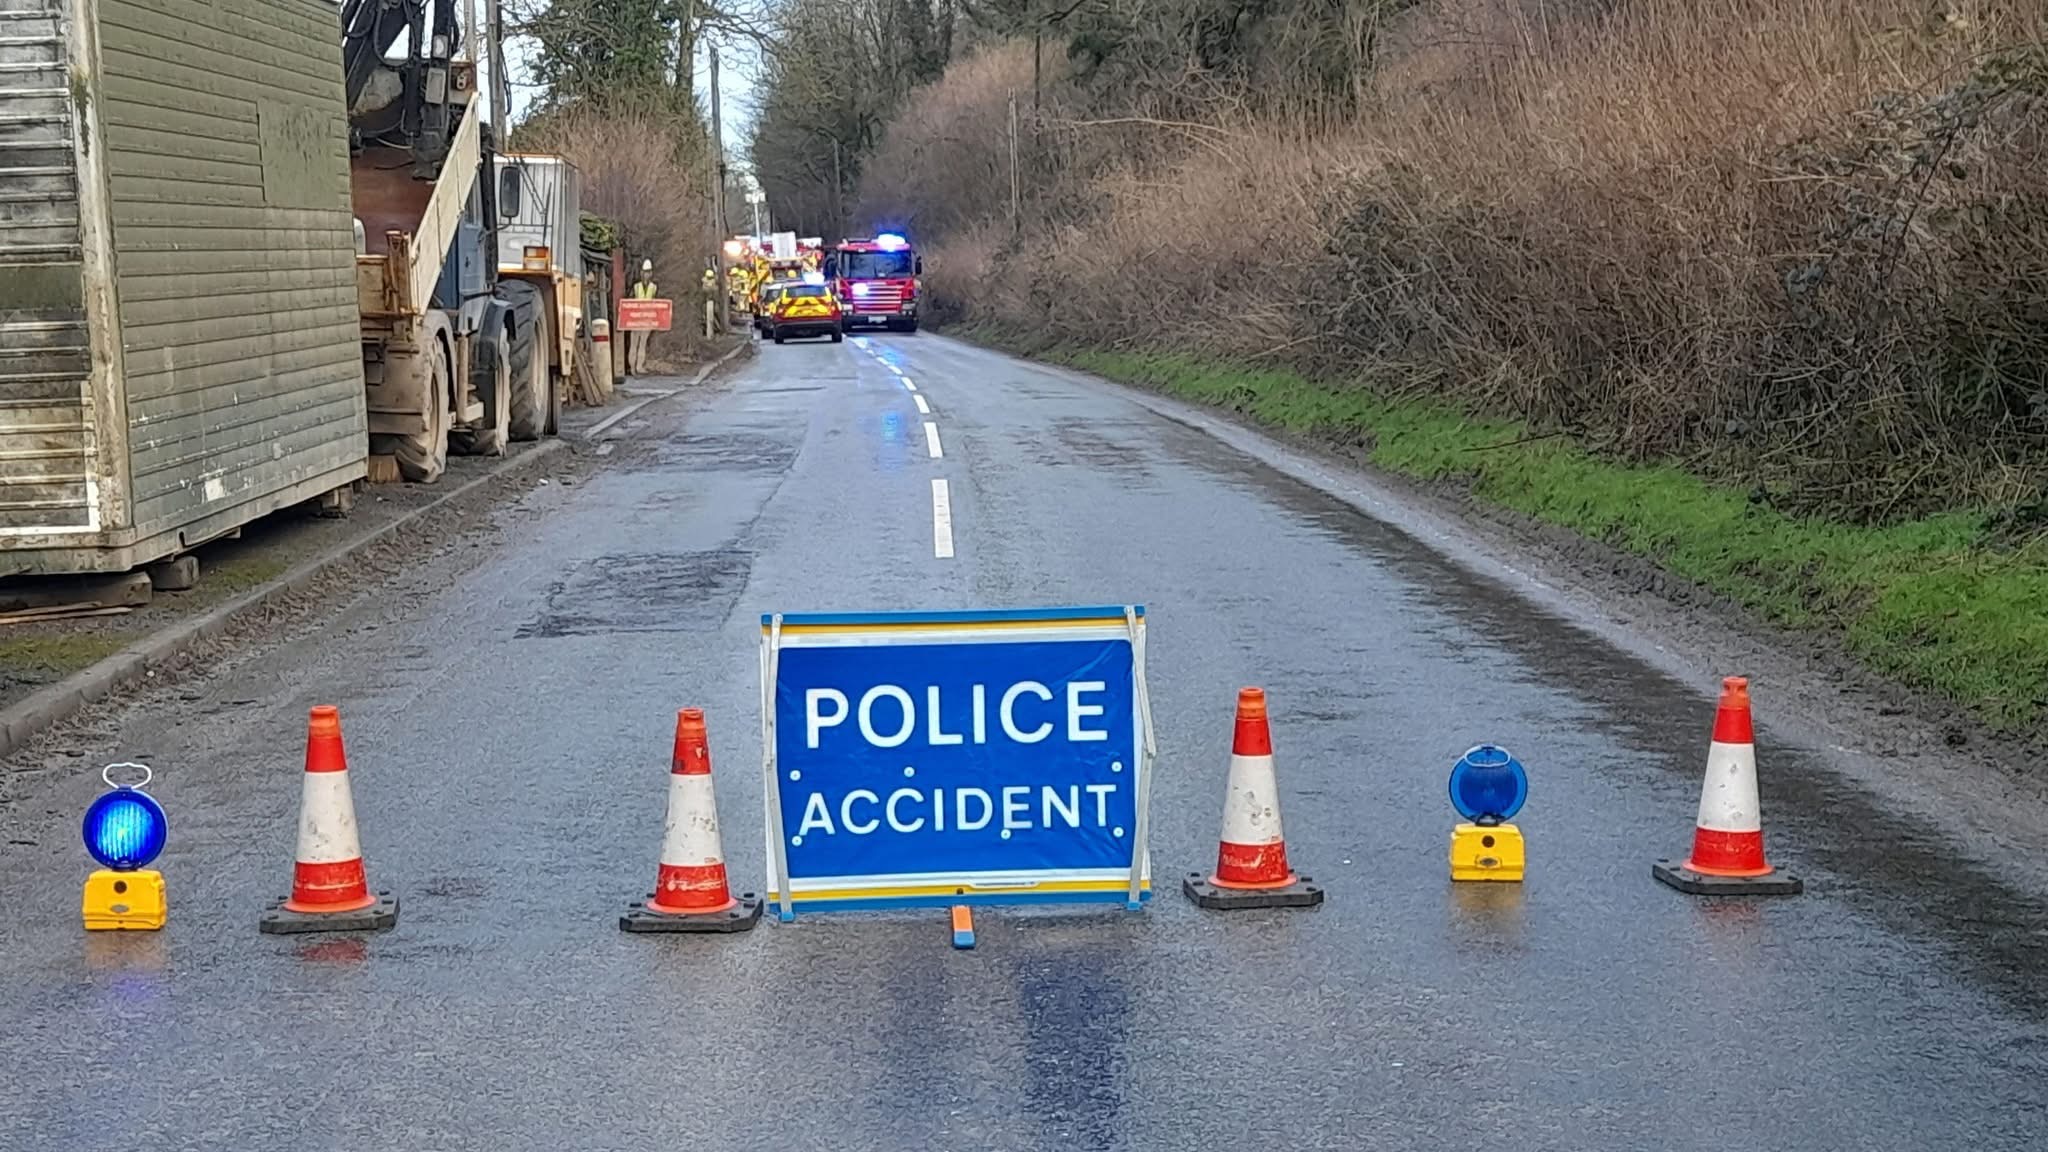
[[877, 280]]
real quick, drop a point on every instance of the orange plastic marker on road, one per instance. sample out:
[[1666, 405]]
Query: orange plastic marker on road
[[1728, 835], [1251, 857], [690, 890], [330, 887]]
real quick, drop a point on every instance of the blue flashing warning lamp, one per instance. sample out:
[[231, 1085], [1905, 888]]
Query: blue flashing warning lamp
[[125, 830], [1488, 786], [891, 242]]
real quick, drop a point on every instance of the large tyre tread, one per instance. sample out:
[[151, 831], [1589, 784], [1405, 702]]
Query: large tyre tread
[[533, 385], [423, 457]]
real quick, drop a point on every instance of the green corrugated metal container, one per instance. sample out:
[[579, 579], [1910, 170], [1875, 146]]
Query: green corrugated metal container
[[179, 346]]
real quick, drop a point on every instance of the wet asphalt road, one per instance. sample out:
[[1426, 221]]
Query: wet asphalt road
[[508, 735]]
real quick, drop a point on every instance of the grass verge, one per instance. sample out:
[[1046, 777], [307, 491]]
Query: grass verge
[[245, 572], [1944, 604], [42, 659]]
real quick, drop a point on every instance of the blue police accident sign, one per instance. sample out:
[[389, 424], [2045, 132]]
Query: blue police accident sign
[[946, 758]]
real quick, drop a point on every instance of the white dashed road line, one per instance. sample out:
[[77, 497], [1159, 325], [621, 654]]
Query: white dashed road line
[[942, 520], [942, 497]]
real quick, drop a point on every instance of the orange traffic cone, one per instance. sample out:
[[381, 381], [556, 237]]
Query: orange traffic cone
[[1251, 859], [330, 890], [690, 892], [1728, 836]]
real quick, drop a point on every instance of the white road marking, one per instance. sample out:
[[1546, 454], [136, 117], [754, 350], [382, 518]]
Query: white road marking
[[921, 405], [942, 520], [908, 384], [895, 369], [931, 440]]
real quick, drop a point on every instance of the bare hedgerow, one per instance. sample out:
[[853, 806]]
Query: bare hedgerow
[[1731, 234], [1800, 244], [644, 169]]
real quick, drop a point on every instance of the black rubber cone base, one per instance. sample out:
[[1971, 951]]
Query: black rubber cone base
[[1700, 884], [1303, 893], [282, 921], [737, 918]]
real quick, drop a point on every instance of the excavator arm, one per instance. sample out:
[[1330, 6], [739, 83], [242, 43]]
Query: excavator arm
[[403, 103]]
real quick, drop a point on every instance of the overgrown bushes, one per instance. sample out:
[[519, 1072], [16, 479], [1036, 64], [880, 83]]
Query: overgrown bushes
[[643, 168], [1799, 245]]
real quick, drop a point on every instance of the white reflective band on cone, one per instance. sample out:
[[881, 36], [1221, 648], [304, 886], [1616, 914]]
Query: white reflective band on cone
[[327, 820], [1728, 800], [691, 837], [1251, 806]]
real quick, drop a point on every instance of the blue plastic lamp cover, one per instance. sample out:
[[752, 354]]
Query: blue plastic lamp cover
[[1488, 783], [124, 829]]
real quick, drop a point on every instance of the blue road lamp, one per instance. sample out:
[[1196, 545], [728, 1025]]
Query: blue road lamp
[[124, 831], [1488, 786]]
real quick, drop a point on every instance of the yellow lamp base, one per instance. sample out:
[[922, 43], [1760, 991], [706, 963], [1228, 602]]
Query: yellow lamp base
[[130, 900], [1486, 852]]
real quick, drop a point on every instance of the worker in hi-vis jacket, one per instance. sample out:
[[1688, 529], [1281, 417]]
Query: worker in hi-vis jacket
[[636, 340]]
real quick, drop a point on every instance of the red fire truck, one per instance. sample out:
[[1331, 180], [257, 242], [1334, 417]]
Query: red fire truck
[[876, 281]]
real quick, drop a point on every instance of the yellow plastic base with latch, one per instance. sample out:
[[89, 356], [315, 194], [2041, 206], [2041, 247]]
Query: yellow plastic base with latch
[[124, 900], [1486, 852]]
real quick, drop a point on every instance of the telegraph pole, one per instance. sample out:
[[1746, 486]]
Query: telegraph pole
[[717, 152], [501, 86], [718, 232], [1016, 187], [838, 192]]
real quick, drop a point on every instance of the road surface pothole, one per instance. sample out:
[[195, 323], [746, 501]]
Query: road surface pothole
[[644, 592], [745, 452]]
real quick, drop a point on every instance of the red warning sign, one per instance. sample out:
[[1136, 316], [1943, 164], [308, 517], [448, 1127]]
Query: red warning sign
[[645, 315]]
